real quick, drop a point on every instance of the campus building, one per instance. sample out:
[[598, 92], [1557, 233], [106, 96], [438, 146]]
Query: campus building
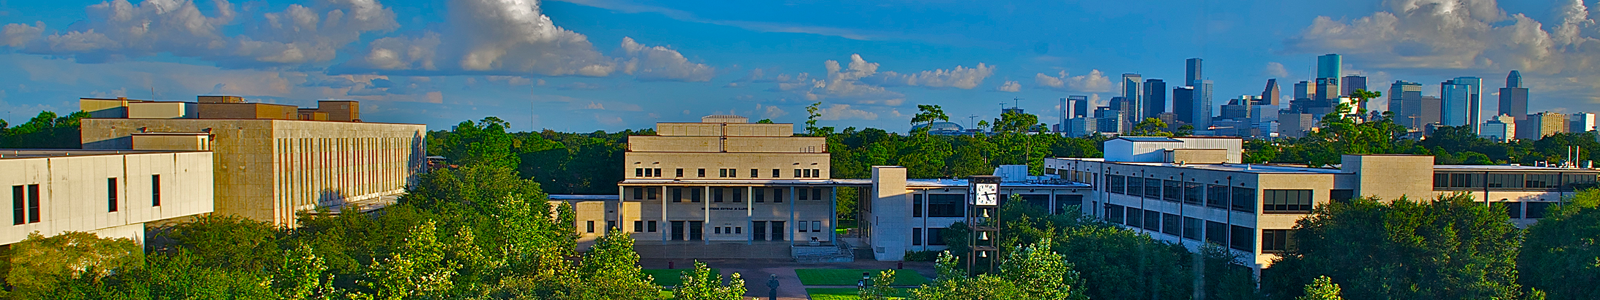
[[271, 161], [1193, 191], [109, 193]]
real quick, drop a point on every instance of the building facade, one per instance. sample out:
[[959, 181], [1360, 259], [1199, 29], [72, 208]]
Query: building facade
[[911, 215], [112, 194], [1542, 124], [270, 164], [1514, 97]]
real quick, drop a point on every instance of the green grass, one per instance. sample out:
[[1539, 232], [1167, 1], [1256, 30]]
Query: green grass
[[849, 277], [669, 277], [847, 293]]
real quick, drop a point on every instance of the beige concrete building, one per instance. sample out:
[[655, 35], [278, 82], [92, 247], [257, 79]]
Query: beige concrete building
[[905, 215], [1252, 209], [271, 161], [108, 193]]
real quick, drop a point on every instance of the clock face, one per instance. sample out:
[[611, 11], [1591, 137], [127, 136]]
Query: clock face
[[986, 194]]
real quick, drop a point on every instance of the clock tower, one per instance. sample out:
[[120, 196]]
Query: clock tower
[[983, 216]]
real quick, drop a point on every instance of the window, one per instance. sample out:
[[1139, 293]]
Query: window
[[816, 173], [775, 173], [755, 173], [1152, 188], [702, 172], [1042, 201], [1441, 180], [591, 226], [777, 195], [1066, 203], [680, 172], [1542, 181], [657, 172], [1535, 210], [816, 226], [1135, 217], [1276, 240], [1115, 184], [651, 226], [611, 225], [1216, 233], [1191, 228], [1114, 213], [1244, 199], [760, 195], [946, 205], [638, 226], [651, 193], [716, 230], [936, 236], [1341, 195], [1170, 224], [1513, 209], [916, 236], [802, 226], [738, 230], [1152, 220], [677, 195], [716, 195], [155, 190], [1217, 196], [638, 193], [816, 194], [1286, 201], [802, 194], [1193, 192], [694, 195], [19, 212], [1170, 190], [738, 195], [1242, 239], [916, 205], [722, 173], [1505, 181], [638, 172], [111, 194], [797, 174]]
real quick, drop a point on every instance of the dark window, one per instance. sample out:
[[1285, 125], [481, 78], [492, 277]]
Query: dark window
[[1114, 213], [722, 172], [1535, 209], [1115, 184], [1135, 217], [658, 172], [638, 172], [738, 230], [702, 172], [1542, 181], [1505, 181], [1276, 240], [591, 226], [638, 226], [155, 190], [797, 174], [1152, 188], [777, 195], [1065, 203], [1191, 228], [1193, 193], [111, 194], [19, 210], [946, 205], [1341, 195], [761, 195], [775, 173], [1513, 209], [916, 236], [694, 195], [816, 173], [1216, 233], [651, 226], [816, 194], [1170, 190], [1244, 199], [1042, 201], [1294, 201], [1135, 186], [1171, 224], [802, 195], [677, 195], [755, 173], [1441, 180], [936, 236], [916, 205], [638, 193], [716, 230], [1242, 239], [1217, 196], [1152, 220], [680, 172], [738, 195], [716, 195], [651, 193], [1578, 181], [1466, 180]]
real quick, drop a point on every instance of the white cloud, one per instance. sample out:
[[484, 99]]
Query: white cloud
[[580, 86], [842, 83], [961, 77], [661, 63], [491, 37], [845, 112], [1010, 86], [1276, 70], [1094, 82], [770, 112]]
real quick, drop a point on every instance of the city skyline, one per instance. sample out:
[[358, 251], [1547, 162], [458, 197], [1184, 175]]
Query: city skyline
[[627, 64]]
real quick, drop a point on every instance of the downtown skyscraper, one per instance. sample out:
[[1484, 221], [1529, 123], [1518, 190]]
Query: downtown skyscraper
[[1155, 98], [1514, 97], [1197, 106], [1462, 99]]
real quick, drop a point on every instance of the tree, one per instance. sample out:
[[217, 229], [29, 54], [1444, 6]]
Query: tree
[[1561, 255], [1361, 96], [701, 284], [1151, 127], [879, 288], [611, 270], [1040, 273], [301, 274], [228, 242], [954, 284], [418, 267], [483, 143], [1321, 289], [813, 112], [927, 114], [46, 130], [1012, 121], [1447, 248], [764, 121], [40, 265]]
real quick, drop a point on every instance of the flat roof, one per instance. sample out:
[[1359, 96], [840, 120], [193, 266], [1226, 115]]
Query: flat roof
[[583, 197], [1149, 139], [915, 183], [41, 153], [238, 119], [1508, 168], [1241, 168]]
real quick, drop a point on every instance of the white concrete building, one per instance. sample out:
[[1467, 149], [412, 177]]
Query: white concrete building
[[109, 193]]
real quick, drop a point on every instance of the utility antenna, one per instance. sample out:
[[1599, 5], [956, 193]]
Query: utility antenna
[[972, 121], [1014, 102]]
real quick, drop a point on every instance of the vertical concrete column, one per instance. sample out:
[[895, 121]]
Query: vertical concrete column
[[621, 194], [792, 199], [749, 206], [665, 225], [705, 216], [833, 216]]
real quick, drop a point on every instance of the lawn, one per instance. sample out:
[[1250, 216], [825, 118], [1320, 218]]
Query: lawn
[[849, 277], [846, 294], [669, 277]]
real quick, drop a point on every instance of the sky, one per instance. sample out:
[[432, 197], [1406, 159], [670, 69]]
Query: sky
[[586, 65]]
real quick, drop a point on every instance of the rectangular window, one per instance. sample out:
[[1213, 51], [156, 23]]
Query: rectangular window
[[1135, 217], [816, 226], [19, 210], [651, 226], [738, 230], [677, 195], [591, 226], [936, 237], [916, 236], [1170, 224], [1114, 213], [1276, 240], [755, 173], [761, 195], [775, 173], [816, 194], [1341, 195], [694, 195], [638, 226], [816, 173], [1217, 196], [777, 195], [1244, 199], [1542, 181], [155, 190], [638, 172], [1191, 228], [1193, 193], [716, 195], [738, 195], [1535, 209], [111, 194], [1513, 209], [1135, 186], [638, 193], [1152, 188], [716, 230], [722, 173], [1068, 203], [1170, 190], [1216, 233], [1286, 201], [797, 174], [680, 172], [1152, 220], [1115, 184], [702, 172], [1242, 238], [657, 173], [651, 193], [916, 205], [1441, 180], [946, 205], [802, 195]]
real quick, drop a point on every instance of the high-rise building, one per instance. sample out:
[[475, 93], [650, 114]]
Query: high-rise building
[[1109, 120], [1202, 105], [1183, 99], [1350, 84], [1500, 128], [1238, 109], [1405, 100], [1327, 91], [1542, 124], [1155, 97], [1271, 94], [1330, 66], [1192, 71], [1514, 97], [1133, 92], [1302, 90], [1080, 105], [1080, 126], [1581, 122], [1462, 101]]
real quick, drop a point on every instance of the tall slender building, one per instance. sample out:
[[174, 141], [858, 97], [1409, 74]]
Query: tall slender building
[[1462, 102], [1133, 92], [1155, 97], [1080, 105], [1192, 71], [1271, 94], [1405, 100], [1514, 97], [1183, 103], [1350, 84], [1302, 90], [1330, 66]]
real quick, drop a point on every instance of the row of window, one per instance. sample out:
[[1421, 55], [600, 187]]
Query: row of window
[[1241, 199], [25, 199], [1537, 180], [729, 173], [650, 226], [953, 205], [1516, 210], [733, 194], [1237, 237], [935, 236]]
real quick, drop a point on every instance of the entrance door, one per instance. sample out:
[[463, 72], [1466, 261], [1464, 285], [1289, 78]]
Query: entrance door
[[677, 230], [758, 231], [697, 230], [777, 230]]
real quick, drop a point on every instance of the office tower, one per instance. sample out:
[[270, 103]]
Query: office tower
[[1109, 120], [1183, 99], [1192, 71], [1405, 100], [1514, 97], [1127, 109], [1271, 94], [1581, 122], [1132, 91], [1350, 84], [1500, 128], [1542, 124], [1080, 126], [1462, 101], [1155, 97], [1327, 91], [1474, 99], [1294, 124], [1080, 106], [1330, 66], [1202, 105], [1302, 90], [1431, 111], [1238, 109]]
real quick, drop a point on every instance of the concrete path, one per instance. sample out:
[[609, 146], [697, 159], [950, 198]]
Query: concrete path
[[756, 272]]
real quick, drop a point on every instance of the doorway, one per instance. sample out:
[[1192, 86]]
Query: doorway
[[677, 230], [777, 230], [697, 230], [758, 230]]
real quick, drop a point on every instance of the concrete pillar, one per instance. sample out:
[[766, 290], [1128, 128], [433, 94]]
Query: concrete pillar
[[705, 215], [833, 216], [749, 205], [792, 199], [665, 226]]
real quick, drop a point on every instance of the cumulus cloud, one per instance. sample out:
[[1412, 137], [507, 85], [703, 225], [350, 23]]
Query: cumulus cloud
[[490, 37], [119, 30], [961, 77], [661, 63], [843, 82], [580, 86], [1094, 82], [1010, 86], [770, 112], [845, 112], [1275, 69]]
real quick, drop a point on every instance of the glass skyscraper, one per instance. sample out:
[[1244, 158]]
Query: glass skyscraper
[[1330, 66]]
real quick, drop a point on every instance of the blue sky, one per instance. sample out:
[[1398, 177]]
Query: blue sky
[[584, 65]]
